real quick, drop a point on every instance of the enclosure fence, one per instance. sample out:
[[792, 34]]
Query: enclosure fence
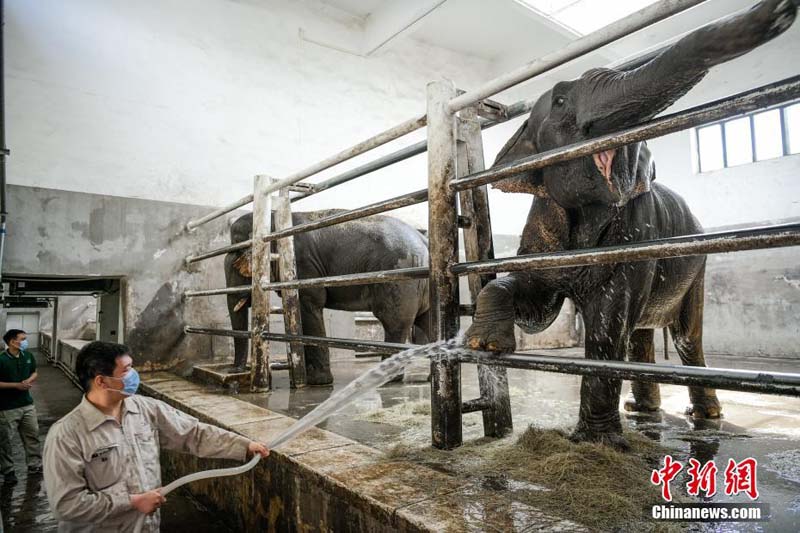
[[458, 200]]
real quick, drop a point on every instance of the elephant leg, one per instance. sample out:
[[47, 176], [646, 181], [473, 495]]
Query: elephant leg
[[610, 320], [396, 333], [421, 334], [645, 397], [395, 308], [238, 304], [238, 315], [687, 334], [318, 358]]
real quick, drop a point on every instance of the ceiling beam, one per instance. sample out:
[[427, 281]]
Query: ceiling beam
[[393, 20]]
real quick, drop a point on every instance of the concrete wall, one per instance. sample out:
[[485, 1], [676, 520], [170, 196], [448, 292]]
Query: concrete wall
[[69, 233]]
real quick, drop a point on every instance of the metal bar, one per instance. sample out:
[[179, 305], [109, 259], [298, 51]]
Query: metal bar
[[446, 427], [781, 91], [212, 292], [608, 34], [719, 242], [287, 266], [347, 344], [720, 378], [413, 198], [492, 381], [764, 382], [219, 251], [356, 150], [784, 131], [416, 197], [365, 355], [54, 340], [478, 404], [724, 138], [218, 332], [260, 374], [362, 278], [372, 166], [281, 365], [233, 206], [515, 110]]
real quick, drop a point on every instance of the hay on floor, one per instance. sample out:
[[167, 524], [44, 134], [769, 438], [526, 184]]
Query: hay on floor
[[590, 484]]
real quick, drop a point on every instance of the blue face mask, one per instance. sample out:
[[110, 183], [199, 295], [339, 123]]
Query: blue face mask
[[130, 382], [23, 345]]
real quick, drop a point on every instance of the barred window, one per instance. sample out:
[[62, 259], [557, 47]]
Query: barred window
[[748, 138]]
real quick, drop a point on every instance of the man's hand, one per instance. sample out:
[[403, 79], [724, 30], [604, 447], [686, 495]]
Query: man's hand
[[147, 502], [23, 385], [257, 448]]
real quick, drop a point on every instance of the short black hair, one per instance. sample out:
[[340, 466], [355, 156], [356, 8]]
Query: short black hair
[[98, 358], [11, 335]]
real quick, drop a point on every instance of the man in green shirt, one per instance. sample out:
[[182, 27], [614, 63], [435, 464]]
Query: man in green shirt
[[17, 413]]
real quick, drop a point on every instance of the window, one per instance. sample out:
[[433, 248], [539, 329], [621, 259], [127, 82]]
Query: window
[[754, 137], [585, 16]]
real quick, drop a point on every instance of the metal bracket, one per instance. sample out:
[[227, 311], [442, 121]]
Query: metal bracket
[[492, 110], [303, 187]]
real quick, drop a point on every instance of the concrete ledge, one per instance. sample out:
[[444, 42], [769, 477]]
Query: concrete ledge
[[325, 482], [218, 374]]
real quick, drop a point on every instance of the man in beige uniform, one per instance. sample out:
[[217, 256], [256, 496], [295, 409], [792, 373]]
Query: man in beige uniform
[[101, 461]]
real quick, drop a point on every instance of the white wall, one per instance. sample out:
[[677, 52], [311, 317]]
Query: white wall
[[758, 192], [186, 100]]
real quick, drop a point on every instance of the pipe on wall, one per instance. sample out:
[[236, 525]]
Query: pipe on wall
[[3, 149]]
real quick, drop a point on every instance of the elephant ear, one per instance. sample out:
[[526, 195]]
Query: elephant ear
[[520, 145], [645, 171]]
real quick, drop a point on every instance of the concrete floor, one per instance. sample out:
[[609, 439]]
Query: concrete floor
[[761, 426], [24, 504]]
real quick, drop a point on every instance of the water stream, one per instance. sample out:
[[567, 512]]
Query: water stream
[[367, 382]]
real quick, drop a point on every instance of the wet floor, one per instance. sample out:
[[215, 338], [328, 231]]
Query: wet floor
[[24, 505], [760, 426]]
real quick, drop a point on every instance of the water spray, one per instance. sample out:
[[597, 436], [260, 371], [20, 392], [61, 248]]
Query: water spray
[[370, 380]]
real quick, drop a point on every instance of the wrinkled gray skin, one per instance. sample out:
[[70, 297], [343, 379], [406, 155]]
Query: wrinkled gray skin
[[374, 243], [610, 199]]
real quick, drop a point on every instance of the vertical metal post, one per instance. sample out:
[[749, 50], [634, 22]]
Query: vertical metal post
[[492, 380], [287, 267], [54, 339], [443, 246], [260, 376]]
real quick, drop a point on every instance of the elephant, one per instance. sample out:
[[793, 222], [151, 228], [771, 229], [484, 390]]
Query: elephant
[[611, 198], [365, 245]]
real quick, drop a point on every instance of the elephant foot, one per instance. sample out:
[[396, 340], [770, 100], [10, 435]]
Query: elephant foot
[[318, 376], [611, 439], [705, 410], [497, 337], [641, 405]]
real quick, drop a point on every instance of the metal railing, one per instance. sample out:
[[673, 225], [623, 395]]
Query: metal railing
[[443, 185]]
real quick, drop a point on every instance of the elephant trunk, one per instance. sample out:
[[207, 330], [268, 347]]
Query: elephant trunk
[[627, 97]]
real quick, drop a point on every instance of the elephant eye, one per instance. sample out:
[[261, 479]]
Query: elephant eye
[[559, 101]]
